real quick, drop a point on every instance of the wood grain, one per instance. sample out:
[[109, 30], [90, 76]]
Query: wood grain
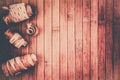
[[71, 39], [55, 39], [33, 45], [15, 52], [63, 40], [41, 41], [108, 40], [94, 40], [116, 39], [86, 39], [79, 39], [48, 39], [101, 40], [25, 75]]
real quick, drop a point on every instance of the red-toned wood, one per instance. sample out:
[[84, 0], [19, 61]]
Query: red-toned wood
[[116, 52], [15, 52], [33, 44], [108, 40], [101, 40], [116, 38], [63, 40], [25, 75], [41, 41], [86, 39], [71, 39], [55, 39], [48, 39], [94, 40], [1, 3], [79, 39]]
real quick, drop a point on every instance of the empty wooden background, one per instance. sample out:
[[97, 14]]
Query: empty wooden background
[[78, 40]]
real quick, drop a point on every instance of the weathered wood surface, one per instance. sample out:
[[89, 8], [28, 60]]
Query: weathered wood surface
[[78, 40]]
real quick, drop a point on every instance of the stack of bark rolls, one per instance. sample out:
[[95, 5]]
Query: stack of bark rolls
[[18, 64]]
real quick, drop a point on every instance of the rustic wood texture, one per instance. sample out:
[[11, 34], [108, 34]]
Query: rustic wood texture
[[71, 39], [116, 39], [86, 40], [63, 40], [108, 40], [48, 39], [94, 40], [101, 40], [78, 40], [41, 40], [55, 39]]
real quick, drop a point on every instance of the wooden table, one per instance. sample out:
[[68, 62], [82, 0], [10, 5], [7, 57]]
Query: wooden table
[[78, 40]]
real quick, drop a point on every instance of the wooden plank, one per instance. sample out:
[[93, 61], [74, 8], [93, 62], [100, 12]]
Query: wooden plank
[[18, 29], [101, 40], [15, 51], [40, 40], [2, 3], [8, 2], [94, 39], [108, 40], [116, 38], [78, 39], [86, 39], [71, 40], [116, 51], [55, 39], [33, 44], [25, 50], [63, 39], [48, 28], [25, 75]]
